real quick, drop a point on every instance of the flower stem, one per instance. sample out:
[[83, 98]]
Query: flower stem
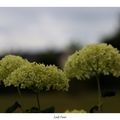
[[38, 102], [20, 97], [99, 94]]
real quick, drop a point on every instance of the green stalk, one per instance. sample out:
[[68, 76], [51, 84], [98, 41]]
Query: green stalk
[[20, 97], [38, 102], [99, 94]]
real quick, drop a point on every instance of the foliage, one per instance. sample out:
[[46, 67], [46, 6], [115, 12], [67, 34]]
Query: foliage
[[36, 110], [13, 107], [93, 59], [16, 105], [38, 77], [10, 63]]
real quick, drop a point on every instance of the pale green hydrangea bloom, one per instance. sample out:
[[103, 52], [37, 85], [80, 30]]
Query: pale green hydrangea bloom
[[38, 77], [57, 78], [10, 63], [75, 111], [93, 59]]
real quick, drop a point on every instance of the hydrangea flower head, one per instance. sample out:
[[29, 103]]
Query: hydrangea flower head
[[93, 59], [38, 77], [10, 63]]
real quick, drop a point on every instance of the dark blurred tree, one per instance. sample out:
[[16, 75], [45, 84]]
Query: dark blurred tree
[[114, 40], [73, 46]]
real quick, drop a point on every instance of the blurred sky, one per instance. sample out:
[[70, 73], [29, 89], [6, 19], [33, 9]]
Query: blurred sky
[[31, 29]]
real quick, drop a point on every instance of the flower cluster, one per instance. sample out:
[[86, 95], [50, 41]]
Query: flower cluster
[[10, 63], [38, 77], [75, 111], [93, 59]]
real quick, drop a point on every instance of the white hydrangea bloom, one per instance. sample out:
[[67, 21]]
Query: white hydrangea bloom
[[10, 63], [38, 77], [75, 111], [93, 59]]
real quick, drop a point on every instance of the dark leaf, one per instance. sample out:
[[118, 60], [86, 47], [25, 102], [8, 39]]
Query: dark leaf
[[13, 107]]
